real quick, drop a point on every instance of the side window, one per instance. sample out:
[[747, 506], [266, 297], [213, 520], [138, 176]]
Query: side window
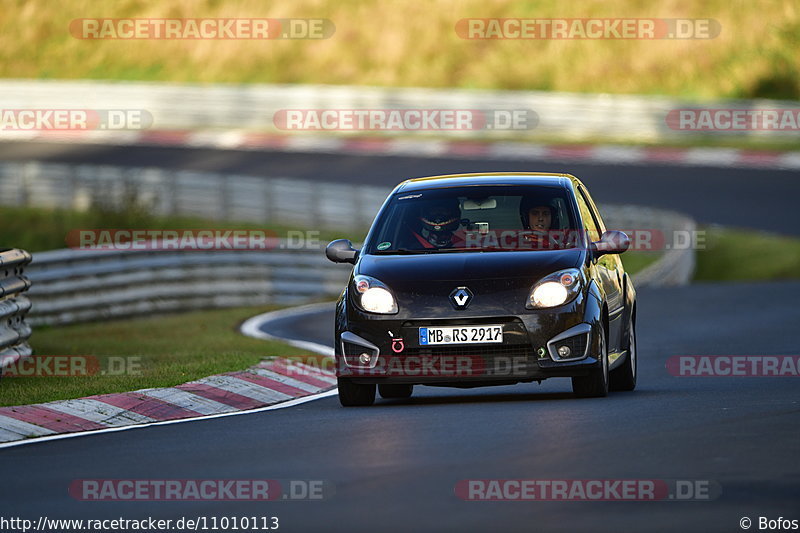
[[590, 222], [597, 216]]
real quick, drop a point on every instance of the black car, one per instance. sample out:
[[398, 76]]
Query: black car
[[485, 279]]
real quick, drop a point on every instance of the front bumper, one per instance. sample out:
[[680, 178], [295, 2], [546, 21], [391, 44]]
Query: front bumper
[[387, 350]]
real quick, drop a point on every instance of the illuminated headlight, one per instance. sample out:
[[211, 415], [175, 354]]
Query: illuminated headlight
[[549, 294], [373, 296], [556, 289], [377, 300]]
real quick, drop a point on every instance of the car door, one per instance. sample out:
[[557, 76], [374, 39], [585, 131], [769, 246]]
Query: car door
[[608, 268]]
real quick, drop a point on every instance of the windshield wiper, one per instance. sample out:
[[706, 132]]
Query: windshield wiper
[[403, 251]]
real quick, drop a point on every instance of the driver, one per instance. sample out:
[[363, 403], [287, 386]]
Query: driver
[[438, 223]]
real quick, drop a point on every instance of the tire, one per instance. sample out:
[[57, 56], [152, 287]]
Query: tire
[[355, 394], [396, 390], [623, 378], [595, 385]]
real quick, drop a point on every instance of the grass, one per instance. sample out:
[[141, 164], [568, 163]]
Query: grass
[[37, 229], [388, 43], [171, 350], [634, 261], [747, 255]]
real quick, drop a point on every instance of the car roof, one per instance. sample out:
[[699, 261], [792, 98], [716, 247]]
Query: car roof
[[542, 179]]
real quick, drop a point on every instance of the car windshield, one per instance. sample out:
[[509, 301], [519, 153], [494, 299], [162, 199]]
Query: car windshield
[[476, 219]]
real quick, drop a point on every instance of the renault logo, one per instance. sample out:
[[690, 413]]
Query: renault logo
[[461, 297]]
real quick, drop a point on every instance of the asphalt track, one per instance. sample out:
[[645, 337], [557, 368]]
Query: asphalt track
[[394, 466], [743, 197]]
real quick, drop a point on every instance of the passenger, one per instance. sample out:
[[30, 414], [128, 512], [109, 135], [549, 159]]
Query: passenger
[[537, 220]]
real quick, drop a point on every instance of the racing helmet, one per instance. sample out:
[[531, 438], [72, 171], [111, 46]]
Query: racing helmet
[[438, 220]]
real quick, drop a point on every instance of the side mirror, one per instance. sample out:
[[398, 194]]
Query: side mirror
[[341, 251], [611, 242]]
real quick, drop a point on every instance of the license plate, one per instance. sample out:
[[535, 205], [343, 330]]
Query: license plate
[[460, 335]]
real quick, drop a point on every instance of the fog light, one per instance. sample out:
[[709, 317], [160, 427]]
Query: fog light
[[564, 351], [364, 358]]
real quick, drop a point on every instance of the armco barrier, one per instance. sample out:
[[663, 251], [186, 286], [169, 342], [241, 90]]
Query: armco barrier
[[270, 200], [80, 285], [570, 116], [677, 262], [676, 266], [14, 330]]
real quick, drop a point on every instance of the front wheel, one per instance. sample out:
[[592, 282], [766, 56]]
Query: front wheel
[[355, 394], [624, 377], [595, 385]]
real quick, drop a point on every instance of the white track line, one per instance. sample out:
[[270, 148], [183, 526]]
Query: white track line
[[252, 327]]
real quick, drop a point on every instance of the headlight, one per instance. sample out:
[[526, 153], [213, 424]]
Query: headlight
[[556, 289], [373, 296], [549, 294]]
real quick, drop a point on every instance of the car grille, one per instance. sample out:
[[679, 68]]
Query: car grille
[[487, 361], [498, 350]]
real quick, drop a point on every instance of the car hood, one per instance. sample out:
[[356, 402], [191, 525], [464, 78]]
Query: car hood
[[467, 266]]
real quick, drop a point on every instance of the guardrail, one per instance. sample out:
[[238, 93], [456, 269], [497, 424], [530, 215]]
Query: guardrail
[[676, 265], [76, 285], [269, 200], [14, 329], [570, 116], [81, 285]]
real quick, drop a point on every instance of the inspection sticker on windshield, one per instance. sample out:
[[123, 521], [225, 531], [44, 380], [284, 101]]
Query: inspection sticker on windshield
[[460, 335]]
